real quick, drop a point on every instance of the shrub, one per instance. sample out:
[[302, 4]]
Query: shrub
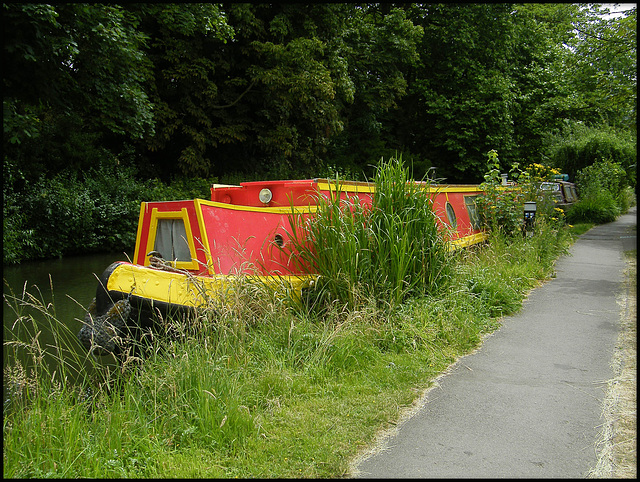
[[626, 199], [578, 146], [499, 208], [602, 175], [80, 212], [603, 191], [530, 180], [502, 208]]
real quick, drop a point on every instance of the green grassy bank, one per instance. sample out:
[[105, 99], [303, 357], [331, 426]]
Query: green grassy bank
[[265, 388]]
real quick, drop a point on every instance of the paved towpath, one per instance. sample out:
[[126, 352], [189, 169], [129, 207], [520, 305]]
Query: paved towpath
[[528, 403]]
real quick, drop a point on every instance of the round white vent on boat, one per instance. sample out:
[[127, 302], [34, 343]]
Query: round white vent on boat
[[265, 196]]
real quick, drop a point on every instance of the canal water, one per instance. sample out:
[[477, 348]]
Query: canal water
[[67, 285]]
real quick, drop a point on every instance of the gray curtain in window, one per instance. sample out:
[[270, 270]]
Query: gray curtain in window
[[171, 240]]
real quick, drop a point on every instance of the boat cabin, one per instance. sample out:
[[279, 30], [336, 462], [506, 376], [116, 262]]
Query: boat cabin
[[243, 228]]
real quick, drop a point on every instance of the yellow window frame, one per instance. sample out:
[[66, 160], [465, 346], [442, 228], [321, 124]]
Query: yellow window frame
[[153, 229]]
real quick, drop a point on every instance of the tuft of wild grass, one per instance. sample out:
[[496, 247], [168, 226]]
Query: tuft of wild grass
[[52, 365], [50, 391], [599, 208], [389, 251]]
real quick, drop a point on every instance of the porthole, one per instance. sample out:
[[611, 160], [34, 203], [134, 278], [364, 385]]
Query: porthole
[[279, 240], [451, 216], [265, 196]]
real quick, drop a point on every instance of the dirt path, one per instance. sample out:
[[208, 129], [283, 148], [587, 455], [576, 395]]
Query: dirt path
[[617, 447]]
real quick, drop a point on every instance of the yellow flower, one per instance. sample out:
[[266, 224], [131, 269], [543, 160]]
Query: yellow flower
[[559, 209], [571, 225], [555, 219]]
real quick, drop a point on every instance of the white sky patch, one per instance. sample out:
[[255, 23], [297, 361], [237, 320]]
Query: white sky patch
[[616, 9]]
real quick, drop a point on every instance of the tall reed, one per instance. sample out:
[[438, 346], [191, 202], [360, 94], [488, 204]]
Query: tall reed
[[390, 251], [41, 365]]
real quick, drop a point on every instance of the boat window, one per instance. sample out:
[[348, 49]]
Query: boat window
[[472, 209], [171, 240], [549, 186], [570, 193], [451, 215]]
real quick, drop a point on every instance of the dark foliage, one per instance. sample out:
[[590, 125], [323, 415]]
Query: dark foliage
[[160, 91]]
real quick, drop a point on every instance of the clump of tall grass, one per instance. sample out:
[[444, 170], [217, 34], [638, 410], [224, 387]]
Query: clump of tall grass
[[51, 388], [598, 208], [389, 251], [42, 362]]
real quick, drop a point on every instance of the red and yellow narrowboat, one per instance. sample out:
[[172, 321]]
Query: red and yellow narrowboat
[[186, 251]]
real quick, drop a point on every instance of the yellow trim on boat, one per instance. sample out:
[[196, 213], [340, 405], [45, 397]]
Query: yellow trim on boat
[[311, 208], [139, 233], [346, 186], [468, 240], [455, 188], [190, 290]]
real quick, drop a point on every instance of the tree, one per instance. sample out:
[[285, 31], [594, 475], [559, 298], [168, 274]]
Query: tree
[[543, 99], [183, 46], [262, 96], [301, 70], [73, 78], [381, 48], [603, 66], [460, 100]]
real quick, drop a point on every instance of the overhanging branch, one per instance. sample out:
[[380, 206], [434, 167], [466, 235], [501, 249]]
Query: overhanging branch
[[235, 101]]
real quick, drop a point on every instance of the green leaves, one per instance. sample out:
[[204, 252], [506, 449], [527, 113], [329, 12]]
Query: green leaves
[[460, 99], [73, 214], [500, 208], [288, 90], [576, 146], [71, 72], [603, 66]]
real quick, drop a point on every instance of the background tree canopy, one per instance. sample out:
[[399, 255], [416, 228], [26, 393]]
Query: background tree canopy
[[245, 91]]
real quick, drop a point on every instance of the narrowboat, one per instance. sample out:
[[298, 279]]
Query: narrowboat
[[188, 252], [563, 192]]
